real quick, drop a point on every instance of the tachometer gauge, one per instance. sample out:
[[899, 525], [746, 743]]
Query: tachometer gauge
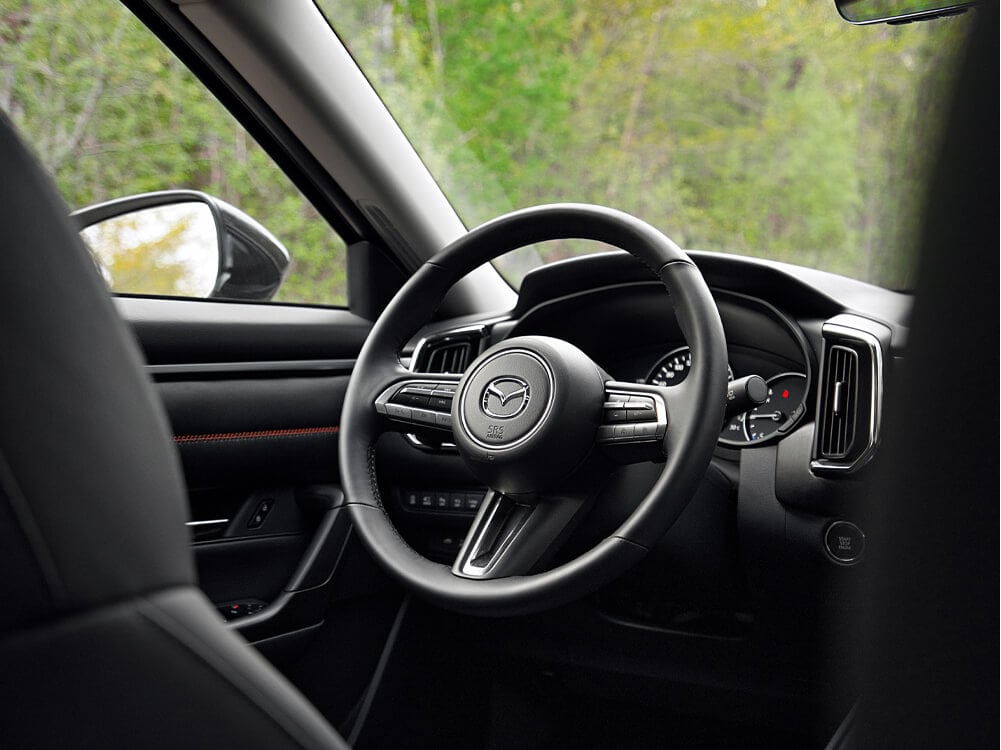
[[784, 405], [674, 368]]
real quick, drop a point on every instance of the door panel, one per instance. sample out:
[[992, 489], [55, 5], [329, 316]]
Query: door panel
[[253, 430], [253, 394]]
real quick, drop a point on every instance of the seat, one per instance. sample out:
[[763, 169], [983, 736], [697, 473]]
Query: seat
[[105, 640]]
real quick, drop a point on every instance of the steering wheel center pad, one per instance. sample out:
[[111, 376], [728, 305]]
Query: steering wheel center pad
[[527, 413]]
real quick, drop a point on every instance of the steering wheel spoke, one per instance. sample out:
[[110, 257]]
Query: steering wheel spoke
[[423, 402], [510, 536]]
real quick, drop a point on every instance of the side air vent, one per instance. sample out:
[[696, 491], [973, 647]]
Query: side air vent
[[851, 390], [448, 353]]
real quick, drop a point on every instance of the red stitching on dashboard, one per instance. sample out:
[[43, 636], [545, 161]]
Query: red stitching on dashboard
[[256, 435]]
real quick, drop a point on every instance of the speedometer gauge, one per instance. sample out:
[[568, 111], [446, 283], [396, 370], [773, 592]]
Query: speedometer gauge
[[784, 405], [674, 368]]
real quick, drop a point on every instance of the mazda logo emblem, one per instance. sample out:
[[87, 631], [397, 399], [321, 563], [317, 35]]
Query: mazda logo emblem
[[505, 398]]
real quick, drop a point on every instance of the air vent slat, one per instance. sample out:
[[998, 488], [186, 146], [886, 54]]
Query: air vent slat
[[450, 353], [839, 417]]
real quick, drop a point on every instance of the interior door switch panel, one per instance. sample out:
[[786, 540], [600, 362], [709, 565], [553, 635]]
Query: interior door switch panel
[[257, 519], [242, 608]]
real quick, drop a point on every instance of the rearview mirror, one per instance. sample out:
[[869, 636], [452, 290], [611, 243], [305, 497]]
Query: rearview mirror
[[182, 243], [863, 12]]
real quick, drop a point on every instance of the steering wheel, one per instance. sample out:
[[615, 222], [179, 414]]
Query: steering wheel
[[536, 421]]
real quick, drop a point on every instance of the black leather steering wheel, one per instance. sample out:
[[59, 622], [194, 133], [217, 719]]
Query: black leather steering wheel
[[537, 421]]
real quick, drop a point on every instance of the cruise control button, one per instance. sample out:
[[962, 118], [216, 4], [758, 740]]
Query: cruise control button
[[623, 432], [399, 412], [606, 433], [645, 430], [424, 416]]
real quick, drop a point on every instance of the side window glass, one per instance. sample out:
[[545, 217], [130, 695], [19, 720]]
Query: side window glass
[[112, 114]]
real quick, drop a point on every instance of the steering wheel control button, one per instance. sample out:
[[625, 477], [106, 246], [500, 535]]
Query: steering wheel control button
[[645, 430], [399, 412], [440, 401], [845, 542], [632, 418], [411, 395], [423, 416], [623, 432], [426, 404], [641, 409]]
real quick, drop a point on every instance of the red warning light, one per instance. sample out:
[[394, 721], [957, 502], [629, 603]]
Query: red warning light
[[785, 393]]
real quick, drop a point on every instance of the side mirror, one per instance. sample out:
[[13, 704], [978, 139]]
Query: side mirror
[[182, 243], [864, 12]]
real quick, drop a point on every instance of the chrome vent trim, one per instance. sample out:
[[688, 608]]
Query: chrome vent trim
[[849, 405]]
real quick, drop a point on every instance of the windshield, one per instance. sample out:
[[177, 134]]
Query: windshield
[[756, 127]]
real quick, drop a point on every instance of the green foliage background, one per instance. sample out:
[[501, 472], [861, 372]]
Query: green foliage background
[[760, 127], [756, 127]]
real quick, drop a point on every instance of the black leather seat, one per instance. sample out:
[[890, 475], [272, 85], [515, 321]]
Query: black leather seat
[[105, 640]]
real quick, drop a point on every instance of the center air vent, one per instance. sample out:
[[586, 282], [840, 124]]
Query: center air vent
[[851, 389], [449, 352]]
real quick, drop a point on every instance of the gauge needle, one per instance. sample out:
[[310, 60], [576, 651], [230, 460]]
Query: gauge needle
[[775, 416]]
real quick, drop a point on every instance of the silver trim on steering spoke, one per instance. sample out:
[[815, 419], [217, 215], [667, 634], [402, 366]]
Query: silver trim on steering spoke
[[488, 539]]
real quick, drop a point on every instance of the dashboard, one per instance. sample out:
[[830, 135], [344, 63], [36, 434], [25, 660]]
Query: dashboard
[[822, 343]]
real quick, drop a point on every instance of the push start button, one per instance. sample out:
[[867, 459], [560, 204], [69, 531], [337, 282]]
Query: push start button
[[845, 542]]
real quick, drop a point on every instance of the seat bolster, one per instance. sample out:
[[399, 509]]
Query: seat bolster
[[156, 671]]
